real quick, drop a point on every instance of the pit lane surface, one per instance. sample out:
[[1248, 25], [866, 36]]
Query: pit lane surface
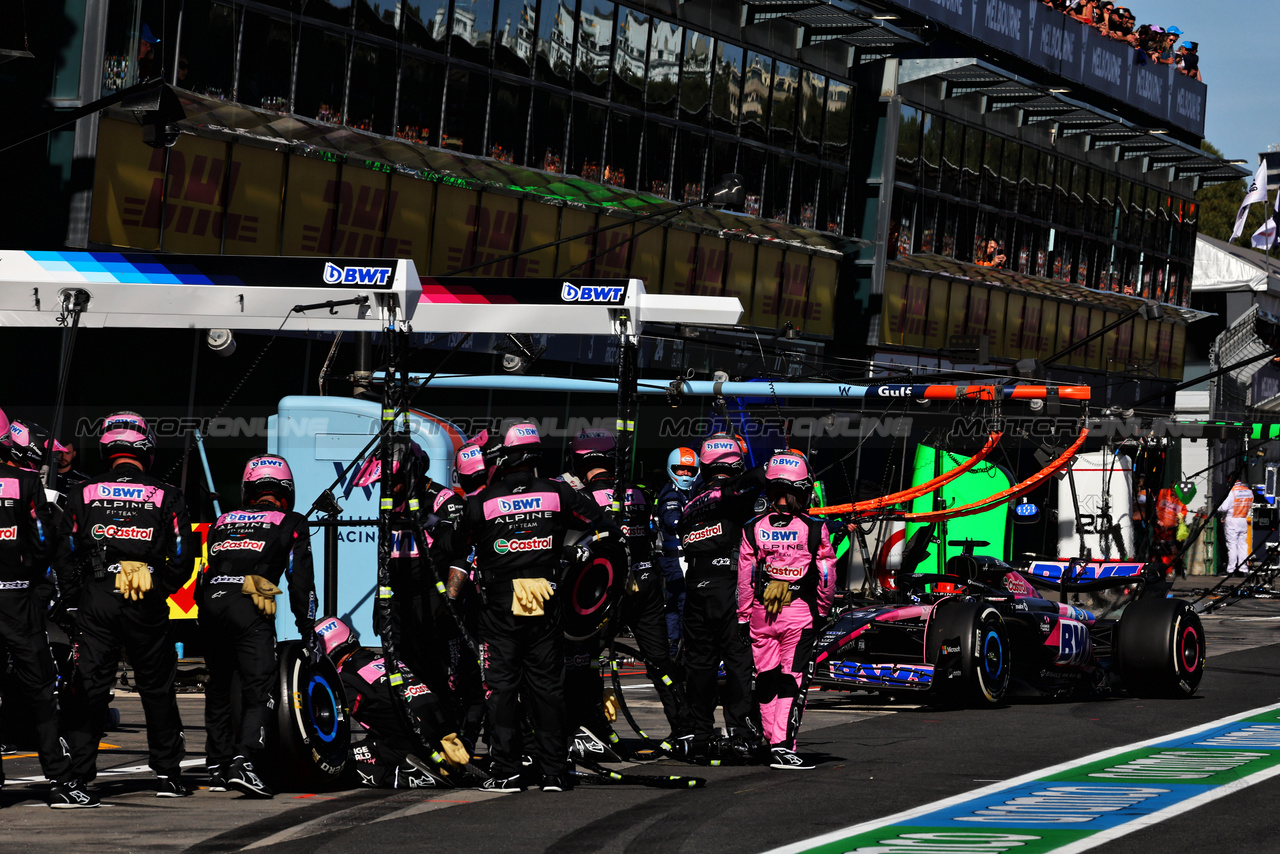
[[875, 761]]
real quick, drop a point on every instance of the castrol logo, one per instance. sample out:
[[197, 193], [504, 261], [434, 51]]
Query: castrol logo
[[784, 573], [533, 544], [236, 545], [9, 533], [119, 532], [705, 534]]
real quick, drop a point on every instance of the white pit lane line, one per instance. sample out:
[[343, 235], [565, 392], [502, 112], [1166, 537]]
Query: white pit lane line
[[1098, 838]]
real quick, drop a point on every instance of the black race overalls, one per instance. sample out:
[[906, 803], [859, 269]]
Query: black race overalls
[[710, 528], [238, 638], [642, 611], [124, 514], [26, 545], [671, 502], [517, 526], [382, 757]]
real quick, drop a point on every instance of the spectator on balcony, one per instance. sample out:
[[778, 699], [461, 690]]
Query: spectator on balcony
[[1189, 60], [992, 255]]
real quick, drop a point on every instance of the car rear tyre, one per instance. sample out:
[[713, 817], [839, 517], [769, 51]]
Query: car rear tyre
[[1161, 648]]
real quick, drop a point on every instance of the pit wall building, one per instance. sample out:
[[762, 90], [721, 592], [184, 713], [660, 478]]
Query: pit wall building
[[879, 142]]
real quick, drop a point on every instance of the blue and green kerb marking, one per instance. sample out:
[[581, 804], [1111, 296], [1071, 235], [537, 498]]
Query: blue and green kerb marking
[[1080, 804]]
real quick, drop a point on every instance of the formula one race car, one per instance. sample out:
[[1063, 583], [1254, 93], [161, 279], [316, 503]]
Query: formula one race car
[[1068, 629]]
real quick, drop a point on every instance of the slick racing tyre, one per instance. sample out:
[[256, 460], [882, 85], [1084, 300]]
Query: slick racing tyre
[[1160, 651], [967, 643], [313, 733], [592, 590]]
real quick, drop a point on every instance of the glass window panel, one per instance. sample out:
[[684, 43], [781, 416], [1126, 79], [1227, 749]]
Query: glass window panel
[[832, 192], [425, 22], [804, 195], [952, 156], [1092, 200], [1010, 171], [1044, 186], [1061, 190], [926, 228], [751, 167], [322, 75], [266, 63], [722, 159], [909, 146], [373, 88], [655, 176], [585, 140], [726, 86], [207, 62], [782, 112], [755, 95], [421, 99], [991, 170], [839, 125], [466, 105], [373, 19], [902, 224], [555, 41], [971, 174], [506, 137], [690, 165], [931, 150], [1137, 201], [331, 11], [595, 39], [622, 153], [472, 30], [777, 194], [695, 77], [546, 135], [812, 92], [661, 96], [1027, 198], [628, 59], [513, 40]]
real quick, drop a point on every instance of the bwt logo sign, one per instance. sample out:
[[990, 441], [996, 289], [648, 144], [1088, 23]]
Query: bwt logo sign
[[107, 491], [779, 536], [591, 293], [268, 463], [520, 505], [335, 275]]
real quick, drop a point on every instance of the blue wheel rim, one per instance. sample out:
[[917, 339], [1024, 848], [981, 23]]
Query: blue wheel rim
[[333, 704]]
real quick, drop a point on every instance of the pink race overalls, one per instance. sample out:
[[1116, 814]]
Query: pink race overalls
[[797, 550]]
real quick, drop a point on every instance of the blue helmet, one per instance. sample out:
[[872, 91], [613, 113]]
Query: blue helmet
[[682, 458]]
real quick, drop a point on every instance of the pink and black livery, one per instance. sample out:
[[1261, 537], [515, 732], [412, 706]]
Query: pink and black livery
[[967, 635]]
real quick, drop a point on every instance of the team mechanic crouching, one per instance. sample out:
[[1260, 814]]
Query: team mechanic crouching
[[26, 544], [121, 554], [249, 551], [388, 756], [786, 583], [517, 526]]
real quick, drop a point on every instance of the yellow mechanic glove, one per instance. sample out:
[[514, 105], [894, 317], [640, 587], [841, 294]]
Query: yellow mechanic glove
[[633, 586], [262, 592], [611, 705], [134, 579], [454, 750], [777, 595], [528, 596]]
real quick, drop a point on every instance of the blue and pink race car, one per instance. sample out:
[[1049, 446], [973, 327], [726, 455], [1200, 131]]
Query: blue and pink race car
[[1061, 629]]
